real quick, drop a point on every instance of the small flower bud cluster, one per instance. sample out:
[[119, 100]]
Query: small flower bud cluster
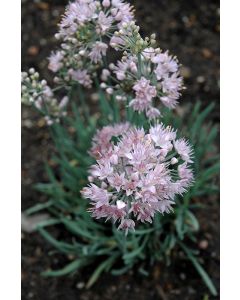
[[85, 31], [149, 78], [129, 39], [137, 173], [40, 95]]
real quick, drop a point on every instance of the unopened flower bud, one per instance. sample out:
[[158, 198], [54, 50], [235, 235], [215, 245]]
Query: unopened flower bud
[[82, 52], [111, 66], [153, 42], [74, 41], [56, 79], [133, 67], [106, 3], [90, 178], [174, 160], [63, 102], [109, 91], [119, 98], [97, 3], [103, 85], [34, 84], [24, 75], [114, 11], [114, 45], [57, 36], [120, 204], [105, 74], [32, 71], [43, 82]]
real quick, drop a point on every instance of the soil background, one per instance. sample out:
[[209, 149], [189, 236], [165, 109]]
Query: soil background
[[190, 30]]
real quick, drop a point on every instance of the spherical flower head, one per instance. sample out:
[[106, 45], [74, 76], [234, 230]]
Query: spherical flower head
[[150, 76], [137, 173], [86, 30], [81, 13]]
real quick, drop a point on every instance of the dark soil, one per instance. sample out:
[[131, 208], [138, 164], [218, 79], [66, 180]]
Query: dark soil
[[190, 30]]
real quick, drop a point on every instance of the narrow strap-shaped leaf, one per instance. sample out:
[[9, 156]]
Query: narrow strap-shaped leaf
[[200, 269], [61, 246], [73, 226], [136, 252], [117, 272], [101, 268], [193, 220], [70, 268], [38, 207]]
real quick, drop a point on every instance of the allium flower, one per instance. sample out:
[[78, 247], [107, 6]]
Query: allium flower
[[122, 67], [99, 49], [81, 76], [144, 93], [104, 22], [183, 149], [123, 12], [165, 65], [137, 173], [117, 42], [55, 61]]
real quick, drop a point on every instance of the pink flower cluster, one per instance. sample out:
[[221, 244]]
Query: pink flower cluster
[[153, 77], [85, 32], [104, 15], [137, 173]]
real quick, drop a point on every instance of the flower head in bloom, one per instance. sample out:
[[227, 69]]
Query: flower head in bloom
[[145, 73], [40, 95], [85, 32], [137, 173]]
